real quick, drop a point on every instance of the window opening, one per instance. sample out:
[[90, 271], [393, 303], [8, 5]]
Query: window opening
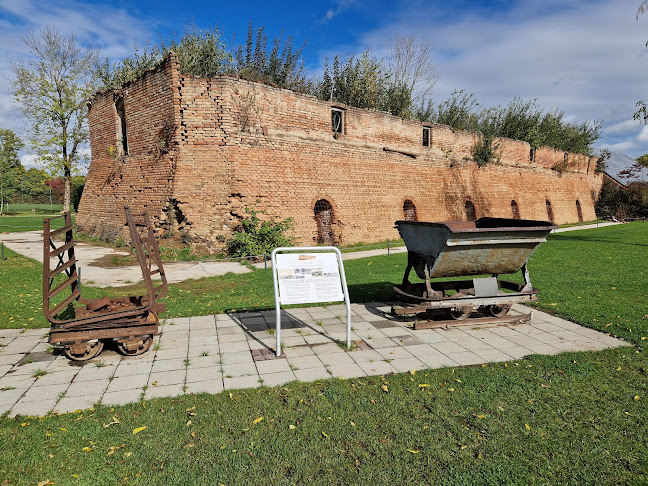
[[579, 211], [122, 139], [471, 214], [324, 219], [409, 211], [426, 137], [565, 157], [550, 214], [337, 121], [532, 154], [515, 209]]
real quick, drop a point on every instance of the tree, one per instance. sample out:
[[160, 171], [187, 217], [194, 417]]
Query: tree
[[10, 165], [411, 69], [52, 85], [642, 108]]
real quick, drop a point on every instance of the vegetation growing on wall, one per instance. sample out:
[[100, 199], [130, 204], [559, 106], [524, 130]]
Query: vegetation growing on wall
[[255, 237]]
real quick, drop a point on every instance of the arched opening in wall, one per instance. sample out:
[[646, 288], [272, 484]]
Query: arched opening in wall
[[471, 214], [579, 211], [550, 214], [324, 219], [515, 209], [122, 138], [409, 211]]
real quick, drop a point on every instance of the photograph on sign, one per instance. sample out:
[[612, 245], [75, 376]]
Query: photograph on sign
[[309, 278]]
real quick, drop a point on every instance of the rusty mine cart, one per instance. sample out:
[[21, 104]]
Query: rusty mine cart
[[81, 326], [488, 246]]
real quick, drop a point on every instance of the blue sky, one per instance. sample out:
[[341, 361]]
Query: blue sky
[[586, 57]]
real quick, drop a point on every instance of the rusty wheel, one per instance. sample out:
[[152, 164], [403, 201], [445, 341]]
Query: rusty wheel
[[136, 346], [83, 351], [460, 313], [499, 310]]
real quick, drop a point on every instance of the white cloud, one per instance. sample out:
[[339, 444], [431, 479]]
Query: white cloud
[[643, 135], [622, 147], [341, 7], [622, 127]]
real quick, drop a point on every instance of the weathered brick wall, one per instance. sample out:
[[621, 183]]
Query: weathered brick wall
[[143, 178], [241, 143]]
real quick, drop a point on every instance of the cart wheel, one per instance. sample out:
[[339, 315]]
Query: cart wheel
[[135, 347], [460, 313], [499, 310], [83, 351]]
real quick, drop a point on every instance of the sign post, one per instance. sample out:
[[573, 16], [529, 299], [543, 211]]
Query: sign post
[[306, 275]]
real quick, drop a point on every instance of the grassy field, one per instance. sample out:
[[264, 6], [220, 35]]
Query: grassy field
[[575, 418]]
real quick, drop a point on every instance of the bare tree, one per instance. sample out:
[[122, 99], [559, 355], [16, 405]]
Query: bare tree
[[52, 83], [411, 66]]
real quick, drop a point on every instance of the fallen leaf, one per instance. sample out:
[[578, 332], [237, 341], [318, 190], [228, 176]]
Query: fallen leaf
[[450, 389], [413, 372], [544, 386], [115, 421], [188, 423], [423, 385], [257, 420], [464, 447], [480, 416], [155, 383], [324, 434], [139, 429], [384, 388], [43, 483], [636, 397], [352, 423], [292, 427], [128, 454], [86, 449], [527, 426], [413, 451]]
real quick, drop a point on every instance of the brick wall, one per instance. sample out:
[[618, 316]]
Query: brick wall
[[238, 143]]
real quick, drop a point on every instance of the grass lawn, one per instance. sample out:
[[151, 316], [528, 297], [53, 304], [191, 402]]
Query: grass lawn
[[575, 418]]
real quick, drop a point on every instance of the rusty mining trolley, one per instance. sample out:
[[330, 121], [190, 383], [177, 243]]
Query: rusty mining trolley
[[81, 326], [488, 246]]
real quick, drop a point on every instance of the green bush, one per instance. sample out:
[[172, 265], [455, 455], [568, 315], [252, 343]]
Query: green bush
[[256, 237]]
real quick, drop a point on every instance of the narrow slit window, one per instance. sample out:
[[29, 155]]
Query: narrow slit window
[[471, 214], [324, 219], [532, 152], [579, 211], [122, 138], [565, 155], [337, 121], [426, 137], [550, 213], [409, 211], [515, 209]]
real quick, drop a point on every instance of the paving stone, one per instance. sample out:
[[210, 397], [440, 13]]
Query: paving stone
[[305, 362], [465, 358], [122, 397], [437, 360], [395, 352], [168, 365], [126, 368], [272, 366], [234, 346], [239, 369], [163, 378], [312, 339], [236, 358], [448, 347], [493, 355], [312, 374], [204, 374], [11, 359], [298, 352], [241, 382], [202, 322], [403, 365], [33, 409], [127, 383], [373, 368], [212, 350], [380, 343], [56, 378], [328, 348], [10, 397], [171, 390], [516, 352], [346, 371], [91, 372], [72, 404], [47, 392], [336, 359], [431, 336], [174, 353], [81, 388], [277, 379], [231, 331], [363, 355], [212, 386]]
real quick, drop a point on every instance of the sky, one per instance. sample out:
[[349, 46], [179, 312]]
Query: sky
[[586, 57]]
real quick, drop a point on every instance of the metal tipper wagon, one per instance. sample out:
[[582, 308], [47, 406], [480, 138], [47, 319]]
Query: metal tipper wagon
[[488, 246], [81, 326]]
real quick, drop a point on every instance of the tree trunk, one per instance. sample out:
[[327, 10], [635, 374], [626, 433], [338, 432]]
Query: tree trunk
[[67, 179]]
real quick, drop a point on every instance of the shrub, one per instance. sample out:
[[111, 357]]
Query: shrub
[[256, 237]]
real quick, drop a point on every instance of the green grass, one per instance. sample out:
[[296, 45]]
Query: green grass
[[33, 207], [27, 222], [575, 418]]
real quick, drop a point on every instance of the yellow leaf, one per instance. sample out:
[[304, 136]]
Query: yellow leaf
[[44, 483], [188, 423], [115, 421], [480, 416], [413, 372], [423, 385], [231, 396], [464, 447], [86, 449], [384, 388], [544, 386], [128, 454], [139, 429], [352, 423], [25, 424], [413, 451], [292, 427], [155, 383], [324, 434], [636, 397], [527, 426], [457, 380], [191, 409], [257, 420], [450, 389]]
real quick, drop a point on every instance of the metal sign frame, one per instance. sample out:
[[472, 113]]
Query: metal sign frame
[[275, 281]]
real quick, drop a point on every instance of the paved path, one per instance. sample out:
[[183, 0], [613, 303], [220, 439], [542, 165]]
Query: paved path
[[222, 352], [30, 244]]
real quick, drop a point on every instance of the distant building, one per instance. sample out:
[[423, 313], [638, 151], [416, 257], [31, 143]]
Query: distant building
[[619, 170], [196, 152]]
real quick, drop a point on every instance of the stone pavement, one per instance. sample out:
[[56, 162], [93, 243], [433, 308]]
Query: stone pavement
[[222, 352]]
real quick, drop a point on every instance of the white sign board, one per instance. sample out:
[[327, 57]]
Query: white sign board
[[308, 278]]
